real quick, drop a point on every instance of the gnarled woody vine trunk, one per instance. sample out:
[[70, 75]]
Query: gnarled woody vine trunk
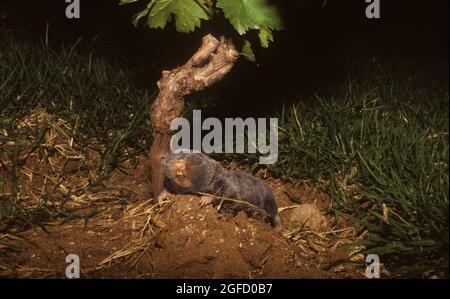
[[208, 65]]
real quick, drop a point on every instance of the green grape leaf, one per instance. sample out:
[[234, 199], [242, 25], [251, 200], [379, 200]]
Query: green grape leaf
[[137, 17], [247, 51], [250, 14], [244, 15], [265, 36], [188, 14]]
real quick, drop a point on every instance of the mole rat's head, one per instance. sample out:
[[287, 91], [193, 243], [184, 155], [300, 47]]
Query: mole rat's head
[[185, 172], [179, 172]]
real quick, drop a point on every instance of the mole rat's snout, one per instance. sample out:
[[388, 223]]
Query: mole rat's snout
[[179, 168]]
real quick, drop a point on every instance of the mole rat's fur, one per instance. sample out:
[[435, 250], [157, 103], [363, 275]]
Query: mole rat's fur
[[190, 173]]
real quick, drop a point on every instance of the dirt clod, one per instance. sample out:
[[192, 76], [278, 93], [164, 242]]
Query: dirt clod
[[309, 216]]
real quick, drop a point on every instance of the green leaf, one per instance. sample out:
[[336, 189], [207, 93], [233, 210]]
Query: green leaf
[[123, 2], [247, 51], [265, 36], [188, 14], [143, 13], [250, 14]]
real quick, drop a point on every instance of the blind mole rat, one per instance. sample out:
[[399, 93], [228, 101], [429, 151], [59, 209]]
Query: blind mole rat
[[196, 173]]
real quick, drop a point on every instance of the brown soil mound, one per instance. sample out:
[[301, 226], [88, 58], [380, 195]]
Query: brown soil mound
[[120, 232], [199, 243], [177, 240]]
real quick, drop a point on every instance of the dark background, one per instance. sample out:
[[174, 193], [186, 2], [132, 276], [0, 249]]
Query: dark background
[[320, 41]]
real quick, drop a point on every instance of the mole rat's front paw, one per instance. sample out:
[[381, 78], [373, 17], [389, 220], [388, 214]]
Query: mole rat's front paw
[[163, 196], [205, 200]]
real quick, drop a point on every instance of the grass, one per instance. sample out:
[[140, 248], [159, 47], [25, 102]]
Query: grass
[[96, 95], [377, 144], [80, 86]]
